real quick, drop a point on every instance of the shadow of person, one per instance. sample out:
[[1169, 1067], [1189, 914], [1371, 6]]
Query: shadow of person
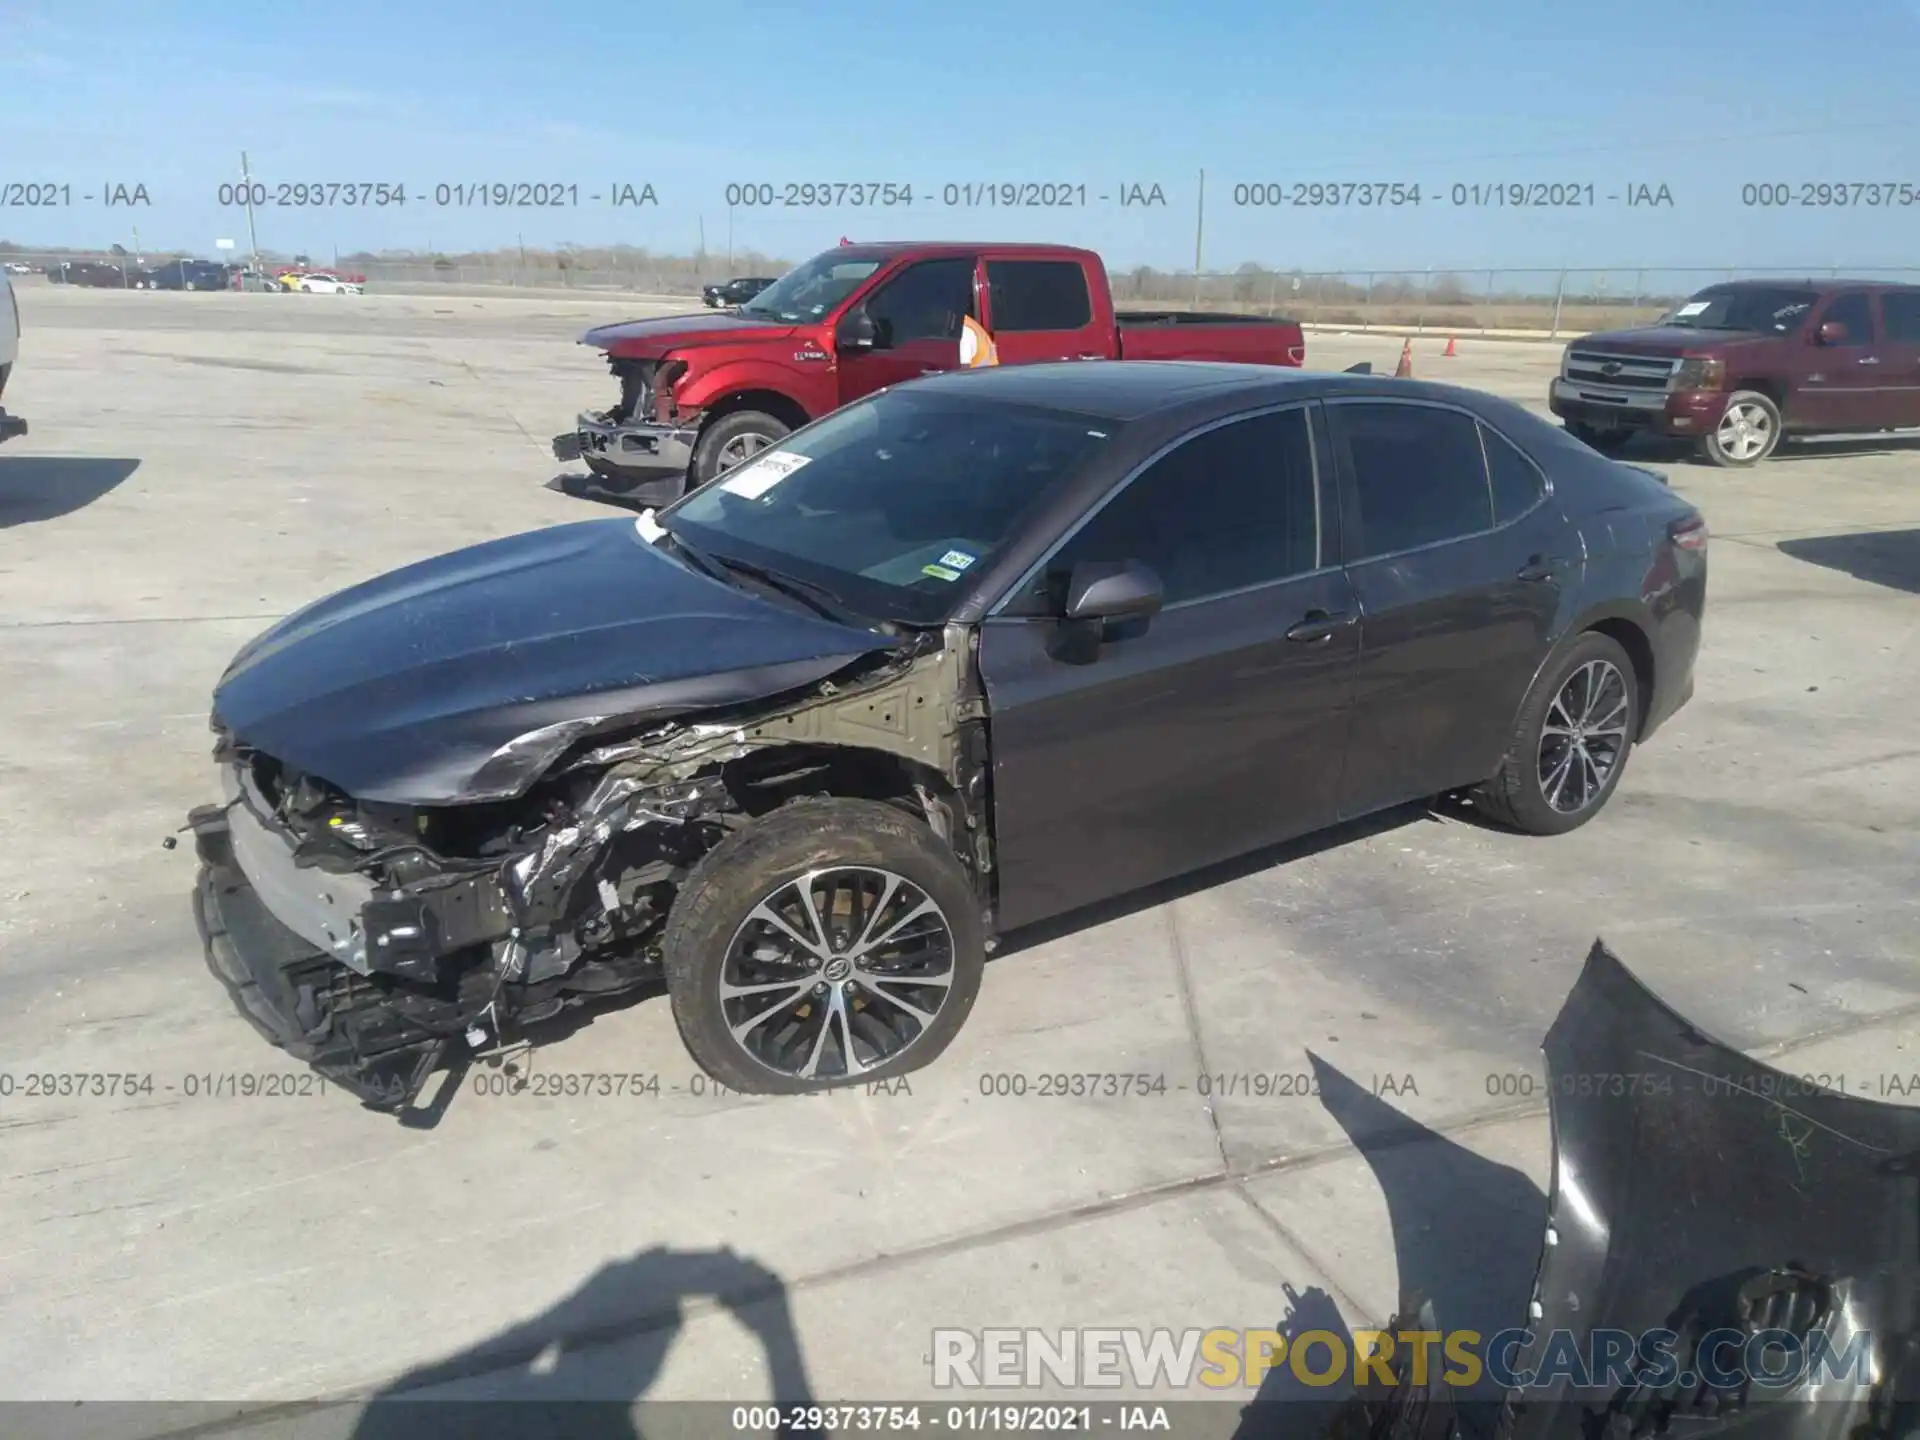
[[45, 487], [577, 1369], [1466, 1230], [1289, 1405], [1883, 557]]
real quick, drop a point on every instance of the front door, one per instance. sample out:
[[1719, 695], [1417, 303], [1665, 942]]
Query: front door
[[916, 317], [1459, 557], [1215, 730], [1843, 386]]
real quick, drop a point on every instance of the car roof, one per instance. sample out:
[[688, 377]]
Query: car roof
[[1820, 283], [887, 249], [1124, 390]]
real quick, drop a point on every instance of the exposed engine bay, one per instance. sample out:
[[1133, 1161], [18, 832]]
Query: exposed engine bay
[[383, 941]]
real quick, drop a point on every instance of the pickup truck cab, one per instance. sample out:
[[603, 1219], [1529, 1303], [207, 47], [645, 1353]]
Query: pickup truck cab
[[10, 425], [702, 393], [1740, 366]]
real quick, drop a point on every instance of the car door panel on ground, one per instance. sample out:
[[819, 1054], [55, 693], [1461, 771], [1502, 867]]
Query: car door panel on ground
[[1459, 559], [1844, 382], [1900, 355], [1204, 735], [1040, 310], [917, 316]]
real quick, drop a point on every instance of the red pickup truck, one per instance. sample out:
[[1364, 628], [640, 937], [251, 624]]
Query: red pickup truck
[[700, 393]]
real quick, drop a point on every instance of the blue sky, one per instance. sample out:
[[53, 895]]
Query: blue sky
[[1700, 98]]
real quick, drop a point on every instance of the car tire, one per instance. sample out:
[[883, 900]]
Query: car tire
[[888, 868], [1590, 690], [1747, 433], [733, 440]]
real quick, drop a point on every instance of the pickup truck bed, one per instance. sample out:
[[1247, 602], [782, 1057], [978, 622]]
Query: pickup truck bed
[[1207, 335]]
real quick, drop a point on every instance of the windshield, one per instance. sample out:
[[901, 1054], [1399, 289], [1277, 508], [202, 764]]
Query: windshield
[[1766, 311], [888, 503], [812, 290]]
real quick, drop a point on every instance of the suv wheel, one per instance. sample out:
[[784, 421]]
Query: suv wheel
[[1570, 741], [1748, 432], [733, 440], [833, 942]]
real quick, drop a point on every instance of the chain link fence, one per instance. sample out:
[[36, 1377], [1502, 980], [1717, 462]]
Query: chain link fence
[[1492, 301]]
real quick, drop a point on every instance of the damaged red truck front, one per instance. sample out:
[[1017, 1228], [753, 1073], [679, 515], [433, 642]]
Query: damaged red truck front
[[703, 392]]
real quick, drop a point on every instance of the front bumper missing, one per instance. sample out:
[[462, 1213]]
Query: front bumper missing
[[11, 426], [639, 460]]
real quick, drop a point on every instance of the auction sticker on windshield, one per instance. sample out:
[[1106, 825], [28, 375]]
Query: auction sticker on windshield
[[753, 479], [1692, 307]]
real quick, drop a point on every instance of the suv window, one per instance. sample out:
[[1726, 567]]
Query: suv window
[[1900, 309], [926, 301], [1038, 295], [1855, 312], [1419, 476], [1517, 484], [1229, 508]]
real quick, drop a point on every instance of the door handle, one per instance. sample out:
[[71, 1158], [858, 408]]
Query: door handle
[[1868, 360], [1540, 569], [1318, 627], [1090, 357]]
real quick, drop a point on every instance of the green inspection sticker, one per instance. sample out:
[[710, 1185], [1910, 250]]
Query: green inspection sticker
[[940, 572]]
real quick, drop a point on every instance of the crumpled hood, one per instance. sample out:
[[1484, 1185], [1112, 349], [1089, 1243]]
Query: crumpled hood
[[1698, 1190], [652, 339], [407, 688]]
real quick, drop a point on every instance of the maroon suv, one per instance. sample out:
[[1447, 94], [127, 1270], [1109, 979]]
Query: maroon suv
[[1741, 365]]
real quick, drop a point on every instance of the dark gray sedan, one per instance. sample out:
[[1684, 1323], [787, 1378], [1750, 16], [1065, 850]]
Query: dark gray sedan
[[971, 653]]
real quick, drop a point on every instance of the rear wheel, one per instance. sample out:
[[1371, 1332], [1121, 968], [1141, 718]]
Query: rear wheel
[[1570, 741], [733, 440], [833, 942], [1748, 432]]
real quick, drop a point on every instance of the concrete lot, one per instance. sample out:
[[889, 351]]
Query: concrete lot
[[200, 465]]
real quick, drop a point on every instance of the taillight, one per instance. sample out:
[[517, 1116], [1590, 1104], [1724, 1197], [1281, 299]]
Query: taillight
[[1690, 533], [1296, 354]]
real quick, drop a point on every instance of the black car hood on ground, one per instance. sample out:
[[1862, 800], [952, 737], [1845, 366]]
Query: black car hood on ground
[[1697, 1191], [428, 685]]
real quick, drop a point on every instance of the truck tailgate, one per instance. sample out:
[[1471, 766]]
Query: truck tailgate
[[1201, 335]]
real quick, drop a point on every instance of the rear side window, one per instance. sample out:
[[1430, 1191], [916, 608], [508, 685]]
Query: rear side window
[[1419, 476], [1901, 310], [1517, 485], [1852, 311], [1231, 508], [1038, 295]]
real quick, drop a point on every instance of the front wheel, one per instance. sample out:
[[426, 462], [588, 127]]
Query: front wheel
[[1748, 432], [831, 943], [733, 440], [1570, 741]]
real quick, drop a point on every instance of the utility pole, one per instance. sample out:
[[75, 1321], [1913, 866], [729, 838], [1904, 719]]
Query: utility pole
[[1199, 231], [253, 236]]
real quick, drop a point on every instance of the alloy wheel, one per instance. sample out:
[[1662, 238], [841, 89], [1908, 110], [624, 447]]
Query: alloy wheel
[[741, 449], [1583, 736], [836, 973], [1744, 432]]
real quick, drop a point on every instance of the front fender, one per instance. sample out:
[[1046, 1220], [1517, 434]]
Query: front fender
[[702, 389]]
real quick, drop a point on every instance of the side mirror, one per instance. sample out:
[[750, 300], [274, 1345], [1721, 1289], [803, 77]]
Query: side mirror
[[1111, 591], [858, 331], [1832, 332]]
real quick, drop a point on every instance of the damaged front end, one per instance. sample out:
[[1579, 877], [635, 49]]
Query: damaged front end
[[1728, 1248], [639, 449], [382, 942]]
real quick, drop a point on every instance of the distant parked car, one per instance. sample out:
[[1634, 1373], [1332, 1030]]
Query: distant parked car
[[184, 275], [1743, 365], [321, 283], [734, 292], [96, 274], [18, 267]]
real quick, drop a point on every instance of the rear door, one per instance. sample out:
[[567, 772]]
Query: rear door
[[1043, 309], [916, 313], [1844, 389], [1215, 729], [1458, 556], [1900, 354]]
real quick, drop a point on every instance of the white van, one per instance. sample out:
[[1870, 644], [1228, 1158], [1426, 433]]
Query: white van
[[10, 425]]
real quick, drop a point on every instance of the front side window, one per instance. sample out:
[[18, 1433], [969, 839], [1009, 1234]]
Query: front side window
[[893, 502], [923, 302], [1230, 508], [1419, 476]]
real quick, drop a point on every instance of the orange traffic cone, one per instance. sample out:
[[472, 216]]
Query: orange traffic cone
[[1449, 351], [1404, 370]]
